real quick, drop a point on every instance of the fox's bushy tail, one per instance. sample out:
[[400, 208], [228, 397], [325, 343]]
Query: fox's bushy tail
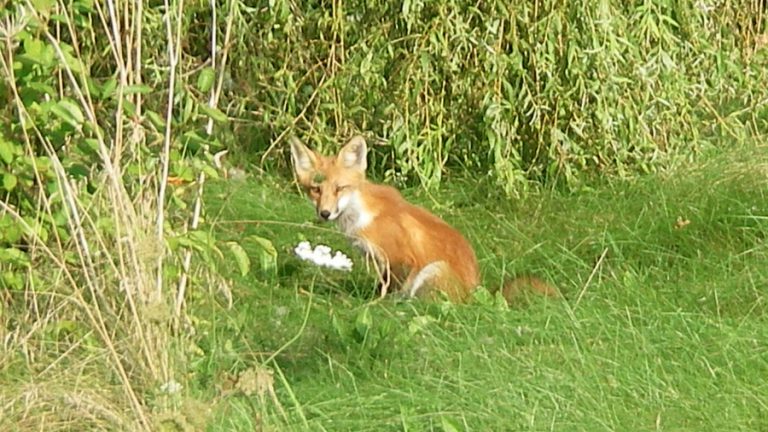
[[519, 290]]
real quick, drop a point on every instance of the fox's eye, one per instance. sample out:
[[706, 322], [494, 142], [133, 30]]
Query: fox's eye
[[341, 188], [314, 189]]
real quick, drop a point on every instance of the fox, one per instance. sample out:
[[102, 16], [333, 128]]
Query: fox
[[415, 252]]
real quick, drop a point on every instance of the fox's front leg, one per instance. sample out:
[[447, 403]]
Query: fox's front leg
[[383, 272], [384, 282]]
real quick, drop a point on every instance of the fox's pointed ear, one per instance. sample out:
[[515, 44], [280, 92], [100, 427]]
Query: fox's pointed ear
[[304, 159], [354, 154]]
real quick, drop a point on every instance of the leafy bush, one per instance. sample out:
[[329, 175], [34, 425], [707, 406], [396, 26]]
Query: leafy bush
[[538, 90], [104, 150]]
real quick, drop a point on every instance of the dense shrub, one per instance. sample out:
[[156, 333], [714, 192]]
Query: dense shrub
[[538, 90]]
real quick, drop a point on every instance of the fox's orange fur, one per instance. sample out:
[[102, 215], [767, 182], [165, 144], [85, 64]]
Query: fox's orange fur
[[414, 249]]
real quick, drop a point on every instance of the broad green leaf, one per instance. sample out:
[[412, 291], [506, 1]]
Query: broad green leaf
[[6, 150], [363, 322], [188, 109], [105, 224], [41, 87], [339, 327], [193, 141], [71, 258], [202, 239], [155, 119], [483, 297], [108, 88], [184, 172], [71, 60], [205, 79], [9, 181], [419, 323], [130, 108], [69, 112], [14, 256], [78, 170], [36, 52], [84, 6], [241, 257], [33, 48], [214, 113], [42, 233], [43, 6], [43, 163], [210, 171], [140, 88], [450, 425], [59, 19], [268, 255], [89, 146], [10, 230], [13, 280], [66, 326], [178, 202]]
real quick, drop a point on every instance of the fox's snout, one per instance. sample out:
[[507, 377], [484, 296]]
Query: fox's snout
[[330, 204], [327, 207]]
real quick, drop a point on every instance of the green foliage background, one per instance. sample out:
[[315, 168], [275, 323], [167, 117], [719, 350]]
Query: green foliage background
[[543, 90], [540, 90]]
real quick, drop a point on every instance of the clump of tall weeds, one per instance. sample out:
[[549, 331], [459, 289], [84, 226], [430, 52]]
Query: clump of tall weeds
[[107, 138]]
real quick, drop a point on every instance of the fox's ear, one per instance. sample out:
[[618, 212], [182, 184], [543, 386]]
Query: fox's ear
[[354, 154], [304, 159]]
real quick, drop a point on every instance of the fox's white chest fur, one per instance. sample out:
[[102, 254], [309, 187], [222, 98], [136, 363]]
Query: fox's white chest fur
[[354, 216]]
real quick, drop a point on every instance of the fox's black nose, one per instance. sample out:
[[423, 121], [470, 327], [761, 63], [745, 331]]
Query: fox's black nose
[[325, 214]]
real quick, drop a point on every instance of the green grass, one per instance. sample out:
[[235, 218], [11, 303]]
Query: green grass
[[666, 332]]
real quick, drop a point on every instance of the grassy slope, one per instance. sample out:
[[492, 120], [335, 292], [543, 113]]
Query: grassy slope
[[669, 333]]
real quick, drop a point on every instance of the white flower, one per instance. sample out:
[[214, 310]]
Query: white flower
[[171, 387], [321, 256], [704, 7]]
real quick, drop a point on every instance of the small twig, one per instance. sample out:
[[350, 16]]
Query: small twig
[[591, 275], [212, 102], [720, 119], [293, 123], [165, 157]]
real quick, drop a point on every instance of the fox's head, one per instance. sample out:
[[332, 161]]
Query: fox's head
[[331, 181]]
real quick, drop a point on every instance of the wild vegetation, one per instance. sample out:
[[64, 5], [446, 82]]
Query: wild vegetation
[[661, 327], [623, 140]]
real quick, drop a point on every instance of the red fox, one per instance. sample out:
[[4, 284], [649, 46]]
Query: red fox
[[413, 249]]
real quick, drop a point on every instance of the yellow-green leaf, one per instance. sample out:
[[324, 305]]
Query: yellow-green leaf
[[241, 257], [69, 112], [155, 119], [9, 181], [205, 79], [108, 88], [43, 6], [214, 113], [14, 256], [363, 322], [139, 88], [6, 150], [268, 253]]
